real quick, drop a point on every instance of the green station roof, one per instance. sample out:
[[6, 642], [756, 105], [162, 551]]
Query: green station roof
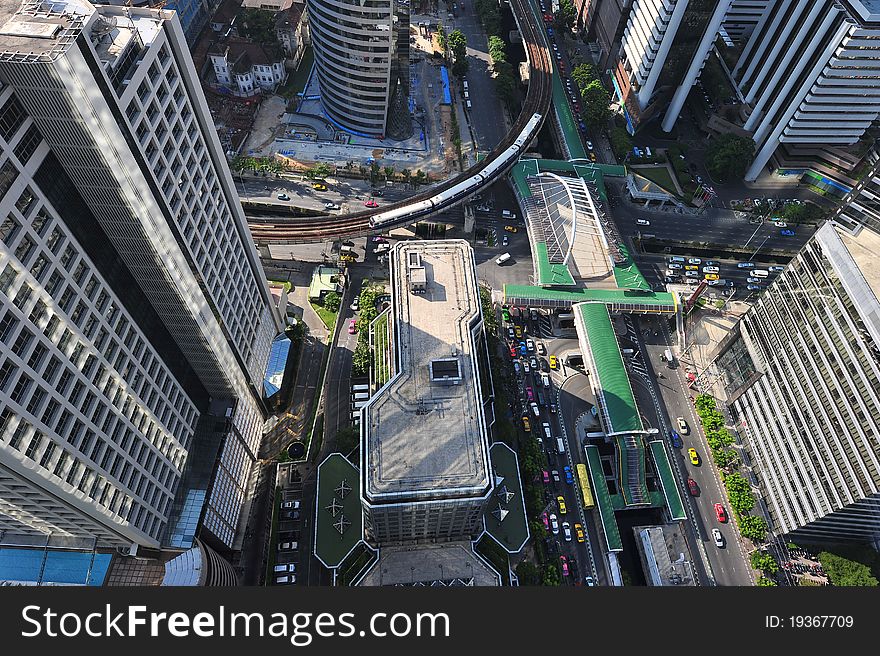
[[667, 480], [549, 273], [339, 489], [603, 500]]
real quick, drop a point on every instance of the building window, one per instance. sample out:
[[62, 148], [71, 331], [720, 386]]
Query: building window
[[28, 144], [11, 117], [8, 174], [9, 229]]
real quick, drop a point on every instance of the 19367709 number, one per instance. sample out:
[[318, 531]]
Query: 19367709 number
[[820, 621]]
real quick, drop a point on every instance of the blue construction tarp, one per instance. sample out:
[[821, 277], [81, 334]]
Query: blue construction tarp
[[444, 76]]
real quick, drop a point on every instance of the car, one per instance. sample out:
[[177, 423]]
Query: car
[[379, 238], [708, 268], [694, 260], [546, 519], [522, 348], [553, 408], [550, 32], [568, 476], [290, 505], [566, 531], [676, 439], [682, 425], [527, 427], [554, 362], [710, 276], [535, 409], [530, 393], [545, 476], [745, 265], [545, 368], [516, 367], [579, 534], [711, 263], [776, 269], [511, 334], [518, 330], [780, 224], [563, 561], [283, 197], [504, 241], [287, 579], [513, 352], [377, 192], [286, 567], [319, 187], [589, 145], [753, 281], [526, 368], [691, 267], [787, 233], [674, 265], [720, 513], [548, 18], [692, 274], [698, 179], [754, 288], [554, 524], [534, 362], [694, 456], [592, 154], [352, 327], [693, 488], [505, 314], [371, 203], [589, 581], [542, 350], [561, 503], [530, 345], [719, 539], [643, 222], [510, 228], [331, 206], [555, 474], [287, 546], [290, 514]]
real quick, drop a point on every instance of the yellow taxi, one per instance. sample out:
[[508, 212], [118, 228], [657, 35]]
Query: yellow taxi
[[517, 330], [694, 456], [579, 532], [319, 187], [527, 425], [554, 362], [711, 276], [561, 502], [510, 228], [691, 267]]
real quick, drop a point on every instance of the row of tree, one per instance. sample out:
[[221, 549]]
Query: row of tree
[[505, 78], [595, 99], [362, 357]]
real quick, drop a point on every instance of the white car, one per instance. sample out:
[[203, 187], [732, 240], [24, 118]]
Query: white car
[[331, 206], [692, 274], [643, 222], [554, 524], [530, 345], [711, 269], [719, 539], [525, 365], [694, 260], [290, 505], [589, 145], [283, 197], [780, 224], [566, 531], [674, 265]]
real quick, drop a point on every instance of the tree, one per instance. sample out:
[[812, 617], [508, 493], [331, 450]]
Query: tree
[[497, 49], [752, 527], [729, 156], [406, 177], [766, 583], [421, 177], [724, 457], [505, 82], [844, 572], [490, 15], [552, 576], [389, 172], [441, 38], [360, 360], [596, 101], [764, 562], [457, 42], [490, 319], [258, 26], [565, 15], [583, 74], [528, 573], [347, 439], [739, 492], [331, 301], [621, 142], [803, 213]]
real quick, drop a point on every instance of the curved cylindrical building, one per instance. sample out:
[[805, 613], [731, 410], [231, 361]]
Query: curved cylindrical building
[[359, 60]]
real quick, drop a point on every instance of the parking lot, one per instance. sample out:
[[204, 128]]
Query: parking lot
[[291, 519]]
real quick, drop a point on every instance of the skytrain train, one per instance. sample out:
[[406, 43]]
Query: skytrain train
[[465, 188]]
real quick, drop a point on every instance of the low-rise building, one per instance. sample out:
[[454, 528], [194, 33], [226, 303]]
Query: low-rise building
[[246, 69]]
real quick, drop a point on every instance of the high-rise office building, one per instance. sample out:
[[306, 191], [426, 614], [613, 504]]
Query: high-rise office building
[[362, 61], [425, 466], [136, 322], [802, 377], [742, 16]]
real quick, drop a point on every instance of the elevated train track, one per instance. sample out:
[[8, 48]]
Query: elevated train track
[[280, 230]]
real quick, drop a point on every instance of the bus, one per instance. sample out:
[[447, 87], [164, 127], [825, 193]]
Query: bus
[[584, 481]]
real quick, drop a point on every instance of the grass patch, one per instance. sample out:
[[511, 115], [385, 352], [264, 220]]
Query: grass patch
[[497, 557], [381, 356], [284, 283], [659, 175], [296, 83], [355, 563], [328, 317]]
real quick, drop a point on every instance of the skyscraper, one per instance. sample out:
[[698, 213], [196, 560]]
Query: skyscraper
[[802, 377], [136, 322], [362, 61]]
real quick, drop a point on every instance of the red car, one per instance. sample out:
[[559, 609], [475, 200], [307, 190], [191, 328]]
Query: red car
[[545, 475], [548, 18], [546, 520], [564, 562], [530, 393], [371, 203], [692, 487], [513, 351], [720, 513], [352, 327]]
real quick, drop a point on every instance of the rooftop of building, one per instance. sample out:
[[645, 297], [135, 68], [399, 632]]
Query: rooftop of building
[[425, 432], [338, 510], [450, 564], [292, 16], [504, 517], [865, 251], [665, 556], [242, 54], [227, 11]]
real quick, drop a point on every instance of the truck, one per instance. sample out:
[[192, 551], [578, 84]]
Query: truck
[[560, 445], [669, 358]]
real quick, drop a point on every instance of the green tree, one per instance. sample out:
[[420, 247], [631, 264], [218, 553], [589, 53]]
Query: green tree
[[528, 573], [724, 457], [764, 562], [766, 583], [360, 359], [752, 527], [552, 577], [565, 15], [490, 318], [406, 177], [596, 111], [621, 142], [739, 492], [258, 26], [490, 15], [441, 38], [458, 46], [583, 74], [389, 172], [844, 572], [331, 301], [420, 177], [803, 213], [497, 49], [505, 82], [728, 156], [347, 439]]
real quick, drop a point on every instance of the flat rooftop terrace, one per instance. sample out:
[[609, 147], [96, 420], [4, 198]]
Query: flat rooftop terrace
[[452, 564], [425, 434]]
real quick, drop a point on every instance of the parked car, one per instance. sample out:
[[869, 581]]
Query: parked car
[[787, 233], [530, 345], [352, 326], [527, 426], [331, 206], [318, 186], [693, 488], [510, 228], [554, 524], [579, 533], [283, 197], [505, 241], [546, 519], [566, 531], [643, 222], [516, 367], [290, 514], [526, 368], [290, 505], [545, 476], [542, 350], [513, 352], [589, 145], [694, 260], [287, 546], [371, 203], [780, 224], [560, 501], [555, 474], [356, 304], [564, 561], [530, 393], [568, 475]]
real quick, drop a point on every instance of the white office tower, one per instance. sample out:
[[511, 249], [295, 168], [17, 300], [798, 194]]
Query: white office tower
[[362, 62], [424, 441], [663, 48], [802, 375], [742, 16], [811, 74], [135, 322]]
